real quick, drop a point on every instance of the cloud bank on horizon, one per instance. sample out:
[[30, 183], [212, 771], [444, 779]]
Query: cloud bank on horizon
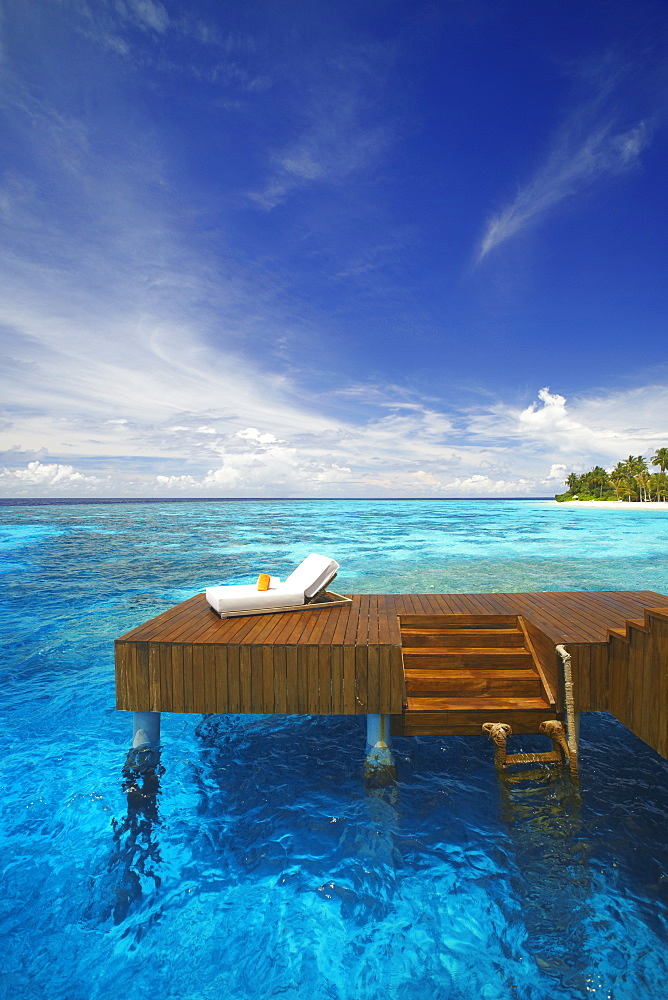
[[237, 248], [410, 449]]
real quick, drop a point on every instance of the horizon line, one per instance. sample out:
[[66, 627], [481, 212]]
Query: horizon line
[[9, 501]]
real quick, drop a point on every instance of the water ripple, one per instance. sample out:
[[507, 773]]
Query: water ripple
[[252, 861]]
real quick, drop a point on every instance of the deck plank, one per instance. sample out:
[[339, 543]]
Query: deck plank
[[349, 677], [280, 678], [233, 679], [324, 667], [292, 676], [245, 689], [336, 669], [361, 678], [268, 693]]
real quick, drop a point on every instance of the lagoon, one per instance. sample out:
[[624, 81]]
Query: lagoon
[[262, 866]]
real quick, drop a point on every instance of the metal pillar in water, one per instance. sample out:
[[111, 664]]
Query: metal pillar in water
[[145, 729], [379, 759]]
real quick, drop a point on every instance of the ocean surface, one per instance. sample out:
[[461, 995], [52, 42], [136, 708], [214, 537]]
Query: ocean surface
[[253, 861]]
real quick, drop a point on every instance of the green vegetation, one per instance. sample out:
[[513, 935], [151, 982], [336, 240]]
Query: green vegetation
[[630, 480]]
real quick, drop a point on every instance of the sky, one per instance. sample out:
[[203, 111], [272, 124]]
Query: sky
[[330, 248]]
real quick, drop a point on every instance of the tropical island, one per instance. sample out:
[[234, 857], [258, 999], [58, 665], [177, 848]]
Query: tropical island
[[630, 480]]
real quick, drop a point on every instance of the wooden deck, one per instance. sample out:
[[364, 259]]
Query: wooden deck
[[570, 616], [348, 660]]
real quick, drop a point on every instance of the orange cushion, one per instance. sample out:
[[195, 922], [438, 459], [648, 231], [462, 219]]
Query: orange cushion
[[263, 581]]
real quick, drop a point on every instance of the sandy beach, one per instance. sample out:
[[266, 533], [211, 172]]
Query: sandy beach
[[613, 504]]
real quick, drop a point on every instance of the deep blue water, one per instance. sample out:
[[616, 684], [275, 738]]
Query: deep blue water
[[257, 863]]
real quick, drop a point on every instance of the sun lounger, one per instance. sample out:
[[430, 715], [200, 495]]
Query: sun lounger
[[304, 587]]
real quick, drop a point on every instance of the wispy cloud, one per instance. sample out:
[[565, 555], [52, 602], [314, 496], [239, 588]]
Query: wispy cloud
[[186, 41], [342, 133], [590, 146], [328, 151], [150, 13]]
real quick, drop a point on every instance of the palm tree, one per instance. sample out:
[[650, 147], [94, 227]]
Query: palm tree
[[598, 477], [630, 478], [659, 480], [618, 480], [643, 479], [662, 490], [629, 490], [660, 458], [635, 464]]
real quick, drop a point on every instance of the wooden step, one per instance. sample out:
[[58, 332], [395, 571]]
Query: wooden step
[[631, 623], [468, 723], [459, 683], [457, 621], [479, 704], [464, 670], [452, 658], [456, 638]]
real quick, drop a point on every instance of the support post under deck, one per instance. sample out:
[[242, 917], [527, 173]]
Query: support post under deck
[[379, 757], [145, 729], [378, 732]]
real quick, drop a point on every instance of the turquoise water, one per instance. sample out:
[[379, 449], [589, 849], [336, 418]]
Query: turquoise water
[[255, 862]]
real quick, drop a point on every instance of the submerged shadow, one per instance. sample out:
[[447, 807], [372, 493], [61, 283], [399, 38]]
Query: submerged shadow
[[541, 809], [287, 802], [131, 873]]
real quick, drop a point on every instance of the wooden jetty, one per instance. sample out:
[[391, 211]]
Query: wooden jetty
[[436, 663]]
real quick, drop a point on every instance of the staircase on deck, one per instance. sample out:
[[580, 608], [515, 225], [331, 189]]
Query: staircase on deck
[[464, 670], [633, 686]]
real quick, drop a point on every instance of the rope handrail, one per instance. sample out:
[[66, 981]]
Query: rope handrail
[[571, 738], [564, 744]]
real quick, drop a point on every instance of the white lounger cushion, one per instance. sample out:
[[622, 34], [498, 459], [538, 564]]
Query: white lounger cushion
[[246, 597], [314, 573]]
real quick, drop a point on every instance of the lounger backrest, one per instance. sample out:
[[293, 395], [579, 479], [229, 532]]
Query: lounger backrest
[[311, 575]]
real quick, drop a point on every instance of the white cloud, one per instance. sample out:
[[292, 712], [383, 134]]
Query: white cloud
[[552, 402], [503, 450], [37, 477], [484, 486], [589, 429], [151, 13], [334, 474], [591, 145], [188, 483], [253, 434], [557, 472]]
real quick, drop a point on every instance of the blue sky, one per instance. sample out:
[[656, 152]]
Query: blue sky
[[379, 248]]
